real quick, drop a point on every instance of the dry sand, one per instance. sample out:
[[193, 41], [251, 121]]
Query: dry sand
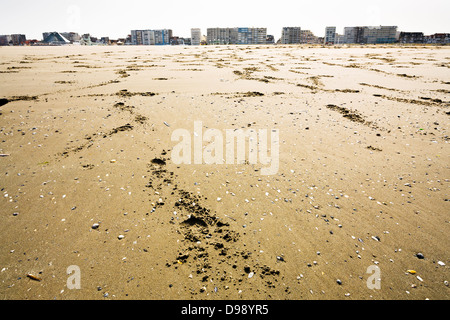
[[363, 178]]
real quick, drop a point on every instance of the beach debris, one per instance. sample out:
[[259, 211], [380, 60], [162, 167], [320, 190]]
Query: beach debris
[[158, 162], [120, 237], [168, 125], [441, 263], [374, 148], [4, 155], [95, 226], [411, 271], [126, 93], [420, 256], [33, 277]]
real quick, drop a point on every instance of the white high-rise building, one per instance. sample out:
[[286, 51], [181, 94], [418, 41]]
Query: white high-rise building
[[151, 37], [196, 36], [236, 35]]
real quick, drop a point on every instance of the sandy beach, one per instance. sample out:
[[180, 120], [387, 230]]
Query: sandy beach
[[88, 179]]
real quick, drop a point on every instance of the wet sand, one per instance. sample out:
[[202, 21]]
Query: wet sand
[[88, 179]]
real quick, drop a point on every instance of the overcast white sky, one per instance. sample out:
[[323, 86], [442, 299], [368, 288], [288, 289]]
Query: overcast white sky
[[115, 18]]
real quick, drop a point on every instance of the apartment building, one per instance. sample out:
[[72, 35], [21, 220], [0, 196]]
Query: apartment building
[[290, 35], [236, 35], [330, 35], [354, 34], [307, 37], [5, 39], [196, 36], [142, 37], [340, 38], [251, 35], [54, 38], [151, 37], [221, 36], [105, 40], [370, 35], [381, 34], [87, 40], [71, 36], [438, 38], [18, 39], [162, 36], [411, 37]]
